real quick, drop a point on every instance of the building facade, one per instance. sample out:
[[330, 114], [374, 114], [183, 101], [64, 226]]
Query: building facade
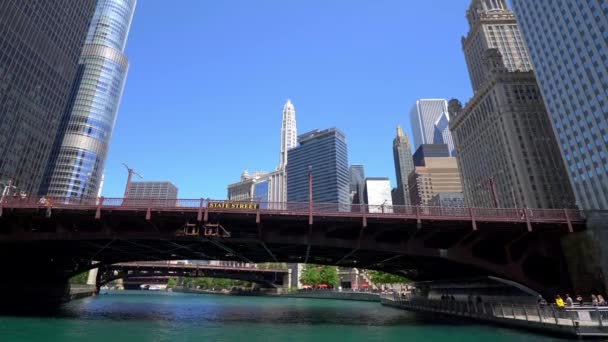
[[568, 44], [507, 153], [493, 26], [324, 155], [356, 174], [80, 151], [429, 150], [448, 200], [378, 195], [404, 165], [40, 43], [439, 175], [245, 189], [152, 190], [430, 123]]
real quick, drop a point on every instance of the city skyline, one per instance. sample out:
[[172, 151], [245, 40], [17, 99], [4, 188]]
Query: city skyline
[[156, 125]]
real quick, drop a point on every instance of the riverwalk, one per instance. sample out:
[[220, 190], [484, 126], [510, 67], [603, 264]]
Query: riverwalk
[[575, 322]]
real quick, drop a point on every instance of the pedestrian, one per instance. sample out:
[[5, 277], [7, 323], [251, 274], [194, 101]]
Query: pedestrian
[[541, 300], [594, 301], [559, 302], [569, 301], [600, 300], [579, 299]]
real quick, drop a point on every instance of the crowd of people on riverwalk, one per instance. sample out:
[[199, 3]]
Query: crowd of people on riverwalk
[[561, 303]]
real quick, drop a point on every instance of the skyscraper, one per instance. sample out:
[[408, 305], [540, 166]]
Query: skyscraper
[[439, 175], [289, 133], [429, 150], [40, 42], [356, 174], [493, 26], [270, 186], [568, 44], [507, 153], [324, 153], [404, 165], [152, 190], [430, 123], [81, 146]]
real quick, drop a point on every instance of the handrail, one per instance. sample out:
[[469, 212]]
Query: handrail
[[521, 215], [596, 316]]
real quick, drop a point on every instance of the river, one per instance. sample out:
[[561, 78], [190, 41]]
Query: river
[[159, 316]]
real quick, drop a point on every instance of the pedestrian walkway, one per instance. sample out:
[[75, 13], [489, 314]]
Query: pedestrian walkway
[[579, 321]]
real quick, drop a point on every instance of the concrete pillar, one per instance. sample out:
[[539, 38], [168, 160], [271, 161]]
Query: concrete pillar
[[586, 254], [92, 278]]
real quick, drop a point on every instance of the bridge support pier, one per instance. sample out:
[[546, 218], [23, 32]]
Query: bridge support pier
[[33, 288]]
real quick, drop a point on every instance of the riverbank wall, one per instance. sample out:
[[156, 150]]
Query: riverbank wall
[[81, 291], [340, 295]]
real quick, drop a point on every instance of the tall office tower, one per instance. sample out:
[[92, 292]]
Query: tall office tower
[[568, 44], [404, 165], [323, 153], [378, 195], [356, 174], [429, 150], [493, 26], [289, 133], [439, 175], [40, 42], [152, 190], [430, 123], [507, 153], [270, 188], [80, 150]]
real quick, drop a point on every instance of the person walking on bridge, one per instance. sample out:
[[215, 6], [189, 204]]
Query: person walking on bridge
[[559, 302], [569, 301]]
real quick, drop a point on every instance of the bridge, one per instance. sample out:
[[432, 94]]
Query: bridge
[[43, 241], [163, 270]]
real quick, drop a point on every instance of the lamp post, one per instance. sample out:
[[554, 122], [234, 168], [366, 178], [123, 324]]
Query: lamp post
[[128, 185], [310, 188]]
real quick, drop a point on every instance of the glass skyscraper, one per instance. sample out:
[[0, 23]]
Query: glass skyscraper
[[325, 153], [40, 42], [568, 44], [356, 174], [430, 123], [80, 150]]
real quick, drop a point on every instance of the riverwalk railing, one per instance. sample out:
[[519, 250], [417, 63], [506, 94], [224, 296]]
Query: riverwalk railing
[[579, 320]]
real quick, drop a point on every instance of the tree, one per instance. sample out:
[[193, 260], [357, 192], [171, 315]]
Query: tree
[[80, 279], [386, 278], [171, 283], [319, 274]]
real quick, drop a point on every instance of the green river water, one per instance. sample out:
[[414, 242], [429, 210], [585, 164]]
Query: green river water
[[160, 316]]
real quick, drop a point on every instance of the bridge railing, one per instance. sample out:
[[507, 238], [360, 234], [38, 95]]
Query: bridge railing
[[511, 214]]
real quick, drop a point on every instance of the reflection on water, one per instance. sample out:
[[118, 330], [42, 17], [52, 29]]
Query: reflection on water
[[145, 316]]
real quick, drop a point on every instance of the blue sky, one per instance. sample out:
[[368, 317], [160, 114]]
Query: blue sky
[[208, 80]]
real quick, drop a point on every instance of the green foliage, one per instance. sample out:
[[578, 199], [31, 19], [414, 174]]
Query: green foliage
[[378, 277], [216, 283], [171, 283], [80, 279], [319, 274]]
